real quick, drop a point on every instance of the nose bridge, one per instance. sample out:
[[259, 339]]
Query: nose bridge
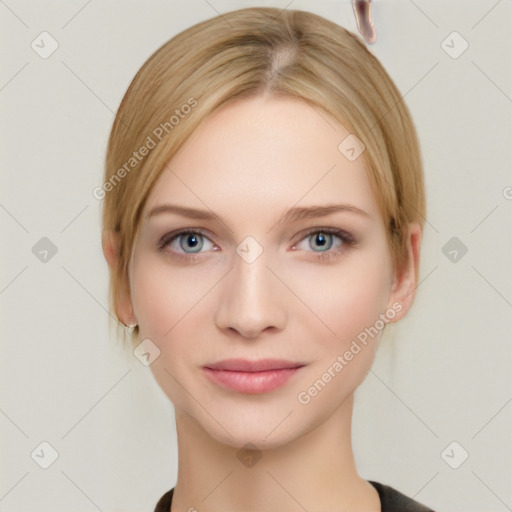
[[250, 301]]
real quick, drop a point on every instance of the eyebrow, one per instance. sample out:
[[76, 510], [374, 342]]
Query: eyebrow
[[290, 215]]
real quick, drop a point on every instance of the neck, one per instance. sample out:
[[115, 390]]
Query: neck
[[316, 471]]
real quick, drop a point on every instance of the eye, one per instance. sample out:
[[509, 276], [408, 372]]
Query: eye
[[326, 242], [186, 243]]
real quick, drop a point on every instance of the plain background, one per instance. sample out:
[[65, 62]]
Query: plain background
[[442, 375]]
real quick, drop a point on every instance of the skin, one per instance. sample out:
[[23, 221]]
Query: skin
[[249, 163]]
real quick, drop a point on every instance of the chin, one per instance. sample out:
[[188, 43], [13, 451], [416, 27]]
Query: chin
[[250, 437], [262, 430]]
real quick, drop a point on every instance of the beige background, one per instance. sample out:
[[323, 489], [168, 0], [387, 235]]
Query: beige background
[[443, 376]]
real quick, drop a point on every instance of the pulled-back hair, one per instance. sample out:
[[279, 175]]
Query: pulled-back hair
[[250, 52]]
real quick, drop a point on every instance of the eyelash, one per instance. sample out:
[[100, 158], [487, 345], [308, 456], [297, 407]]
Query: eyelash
[[346, 238]]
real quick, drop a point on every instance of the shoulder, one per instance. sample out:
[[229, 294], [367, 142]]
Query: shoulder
[[394, 501], [391, 501], [164, 503]]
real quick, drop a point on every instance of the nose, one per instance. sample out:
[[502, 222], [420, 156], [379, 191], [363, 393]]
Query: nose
[[252, 299]]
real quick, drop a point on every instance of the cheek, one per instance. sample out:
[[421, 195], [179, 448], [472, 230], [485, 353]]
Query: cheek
[[154, 303], [170, 305], [361, 302], [339, 301], [350, 302], [164, 297]]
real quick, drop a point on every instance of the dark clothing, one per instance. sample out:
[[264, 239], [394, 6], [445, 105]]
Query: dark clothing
[[394, 501], [390, 499]]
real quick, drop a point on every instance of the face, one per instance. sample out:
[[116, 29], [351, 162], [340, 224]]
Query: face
[[247, 274]]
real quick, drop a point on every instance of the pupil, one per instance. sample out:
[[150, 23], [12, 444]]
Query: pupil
[[192, 242], [321, 240]]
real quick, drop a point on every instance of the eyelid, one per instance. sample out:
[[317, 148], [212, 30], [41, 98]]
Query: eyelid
[[173, 235], [347, 237]]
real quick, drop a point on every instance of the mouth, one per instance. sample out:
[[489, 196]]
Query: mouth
[[252, 377]]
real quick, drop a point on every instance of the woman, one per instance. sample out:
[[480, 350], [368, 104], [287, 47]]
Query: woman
[[263, 212]]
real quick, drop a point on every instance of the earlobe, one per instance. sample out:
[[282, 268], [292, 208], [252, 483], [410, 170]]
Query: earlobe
[[406, 279]]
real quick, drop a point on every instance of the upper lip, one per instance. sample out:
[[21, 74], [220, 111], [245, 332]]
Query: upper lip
[[260, 365]]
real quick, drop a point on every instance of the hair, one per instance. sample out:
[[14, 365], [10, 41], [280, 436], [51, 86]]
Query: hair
[[245, 53]]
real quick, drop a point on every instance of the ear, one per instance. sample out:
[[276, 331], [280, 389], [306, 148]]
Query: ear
[[406, 278], [124, 307]]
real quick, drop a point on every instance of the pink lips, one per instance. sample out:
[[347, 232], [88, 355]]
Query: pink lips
[[252, 377]]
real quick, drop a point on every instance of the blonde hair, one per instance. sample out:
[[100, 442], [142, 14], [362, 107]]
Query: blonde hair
[[251, 52]]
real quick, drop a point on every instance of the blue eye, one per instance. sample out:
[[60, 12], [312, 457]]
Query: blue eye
[[324, 243], [323, 239], [327, 242], [190, 242]]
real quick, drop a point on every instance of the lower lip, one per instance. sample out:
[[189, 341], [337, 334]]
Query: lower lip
[[251, 382]]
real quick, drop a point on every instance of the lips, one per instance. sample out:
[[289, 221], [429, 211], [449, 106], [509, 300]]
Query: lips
[[261, 365], [252, 377]]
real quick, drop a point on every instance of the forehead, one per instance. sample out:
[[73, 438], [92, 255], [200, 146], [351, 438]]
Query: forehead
[[262, 155]]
